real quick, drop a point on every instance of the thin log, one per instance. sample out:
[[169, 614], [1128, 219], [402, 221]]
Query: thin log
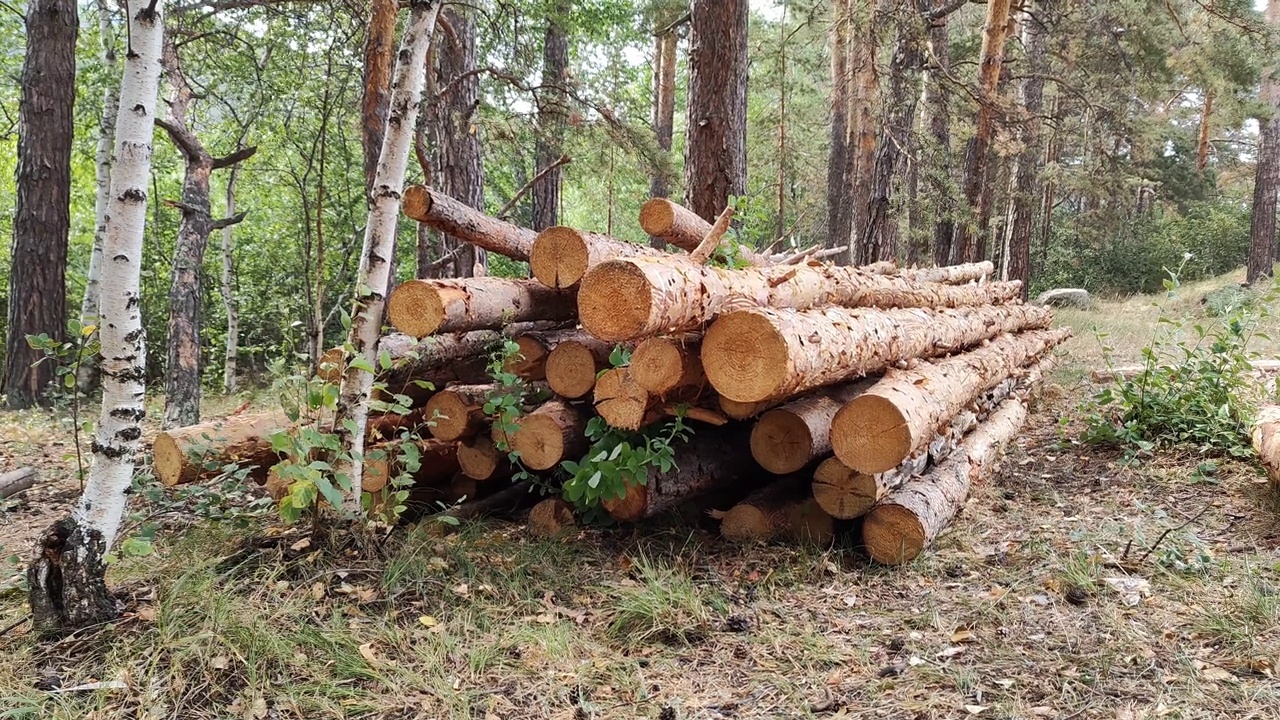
[[661, 365], [15, 481], [950, 274], [535, 348], [787, 438], [683, 228], [504, 502], [711, 461], [574, 364], [457, 412], [756, 355], [451, 217], [561, 255], [701, 254], [554, 432], [480, 459], [424, 307], [551, 518]]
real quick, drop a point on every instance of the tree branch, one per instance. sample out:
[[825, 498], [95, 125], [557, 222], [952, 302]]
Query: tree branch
[[678, 22], [564, 160], [940, 12], [236, 157], [228, 222], [187, 143]]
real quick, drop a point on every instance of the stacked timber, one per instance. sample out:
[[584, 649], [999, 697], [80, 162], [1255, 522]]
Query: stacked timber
[[817, 400]]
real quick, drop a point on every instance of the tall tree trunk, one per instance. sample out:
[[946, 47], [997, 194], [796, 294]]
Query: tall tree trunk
[[461, 168], [1025, 190], [379, 241], [664, 113], [938, 103], [1048, 193], [970, 236], [68, 575], [229, 300], [379, 55], [716, 149], [780, 227], [87, 378], [1202, 145], [838, 196], [1262, 230], [862, 124], [552, 113], [42, 214]]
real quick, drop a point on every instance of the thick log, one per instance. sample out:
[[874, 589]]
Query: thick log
[[636, 297], [755, 355], [480, 459], [787, 438], [554, 432], [712, 460], [901, 525], [662, 365], [684, 228], [15, 481], [551, 518], [424, 307], [880, 428], [572, 367], [446, 215], [777, 509], [198, 452], [438, 461], [462, 488], [562, 255], [1265, 434]]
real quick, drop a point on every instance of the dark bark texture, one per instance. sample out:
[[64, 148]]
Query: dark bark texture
[[67, 580], [1026, 181], [552, 114], [460, 167], [664, 109], [42, 214], [716, 150], [838, 196], [379, 58], [939, 111], [1262, 230]]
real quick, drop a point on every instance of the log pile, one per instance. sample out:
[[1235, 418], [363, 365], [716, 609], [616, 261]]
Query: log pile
[[819, 399]]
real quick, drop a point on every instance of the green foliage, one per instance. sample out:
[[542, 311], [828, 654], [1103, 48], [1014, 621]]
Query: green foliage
[[618, 459], [1194, 390], [68, 358]]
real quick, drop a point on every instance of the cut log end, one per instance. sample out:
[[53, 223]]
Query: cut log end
[[480, 459], [657, 216], [531, 360], [450, 416], [809, 523], [559, 257], [893, 535], [571, 370], [746, 523], [631, 506], [614, 301], [539, 442], [745, 357], [870, 435], [620, 400], [168, 464], [660, 365], [781, 442], [551, 518], [418, 308], [416, 202], [842, 492]]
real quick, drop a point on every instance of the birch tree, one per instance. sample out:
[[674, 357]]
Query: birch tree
[[68, 575], [379, 241]]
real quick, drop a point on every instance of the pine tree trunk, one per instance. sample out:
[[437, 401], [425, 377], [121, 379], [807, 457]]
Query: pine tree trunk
[[379, 243], [938, 102], [444, 214], [1262, 230], [755, 355], [461, 168], [552, 114], [87, 376], [664, 109], [67, 577], [42, 213], [379, 56], [1202, 141], [862, 125], [230, 302], [1026, 185], [838, 196], [787, 438], [425, 307], [716, 149]]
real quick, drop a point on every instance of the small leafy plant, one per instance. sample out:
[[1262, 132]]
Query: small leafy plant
[[617, 459], [68, 359]]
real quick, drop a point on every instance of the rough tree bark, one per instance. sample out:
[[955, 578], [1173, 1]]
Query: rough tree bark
[[444, 214], [42, 213], [787, 438], [1262, 229], [379, 55], [182, 371], [425, 307], [87, 378], [1025, 192], [716, 149], [552, 114], [665, 44], [379, 242], [838, 210], [460, 166], [938, 104], [229, 300], [68, 576], [862, 123]]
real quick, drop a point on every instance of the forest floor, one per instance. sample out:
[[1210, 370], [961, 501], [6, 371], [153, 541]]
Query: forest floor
[[1075, 585]]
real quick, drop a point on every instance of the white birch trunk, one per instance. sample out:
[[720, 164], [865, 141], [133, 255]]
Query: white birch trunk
[[89, 308], [228, 290], [379, 243]]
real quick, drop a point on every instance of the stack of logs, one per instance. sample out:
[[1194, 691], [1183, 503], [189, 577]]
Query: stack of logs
[[818, 395]]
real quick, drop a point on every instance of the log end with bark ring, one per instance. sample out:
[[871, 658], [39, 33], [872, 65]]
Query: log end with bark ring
[[870, 434], [169, 463], [480, 459], [745, 523], [559, 257], [449, 417], [571, 370], [540, 442], [620, 400], [657, 216], [842, 492], [893, 535], [530, 362], [415, 203], [745, 357], [614, 301], [631, 506], [781, 442], [657, 365], [418, 308], [550, 518]]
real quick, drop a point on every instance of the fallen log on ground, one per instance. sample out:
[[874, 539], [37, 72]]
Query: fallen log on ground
[[756, 355], [905, 522], [787, 438], [661, 365], [425, 307], [1265, 434], [711, 461], [876, 431], [561, 255], [637, 297], [573, 366], [554, 432], [197, 452], [781, 508], [551, 518], [15, 481], [444, 214]]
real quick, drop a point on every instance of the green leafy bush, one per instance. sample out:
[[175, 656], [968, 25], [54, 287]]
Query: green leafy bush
[[618, 458]]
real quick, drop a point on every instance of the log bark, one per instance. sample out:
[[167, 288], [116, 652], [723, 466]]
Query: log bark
[[901, 525], [551, 518], [480, 459], [419, 367], [438, 461], [561, 256], [1262, 226], [755, 355], [1265, 434], [777, 509], [573, 366], [950, 274], [15, 481], [446, 215], [196, 452], [504, 502], [663, 365], [786, 439], [632, 298], [883, 426], [457, 412], [425, 307], [536, 347], [682, 227], [711, 461], [554, 432]]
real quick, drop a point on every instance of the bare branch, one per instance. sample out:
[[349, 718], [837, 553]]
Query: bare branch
[[228, 222], [564, 160], [236, 157]]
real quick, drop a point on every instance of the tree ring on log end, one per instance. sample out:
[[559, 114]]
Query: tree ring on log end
[[630, 507], [571, 370], [841, 492], [781, 442], [416, 309], [614, 301], [657, 216], [539, 441], [657, 365], [559, 257], [869, 434], [745, 523], [745, 357], [166, 459], [892, 535], [449, 414]]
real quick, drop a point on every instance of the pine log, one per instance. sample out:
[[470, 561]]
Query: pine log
[[787, 438], [684, 228], [462, 488], [480, 459], [572, 367], [418, 367], [756, 355], [770, 511], [950, 274], [884, 267], [457, 412], [551, 518], [661, 365], [620, 400], [1265, 433], [562, 255], [504, 502], [808, 523], [198, 452], [425, 307], [438, 460], [451, 217], [901, 525], [15, 481], [880, 428], [636, 297], [554, 432], [712, 460], [745, 410], [536, 347]]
